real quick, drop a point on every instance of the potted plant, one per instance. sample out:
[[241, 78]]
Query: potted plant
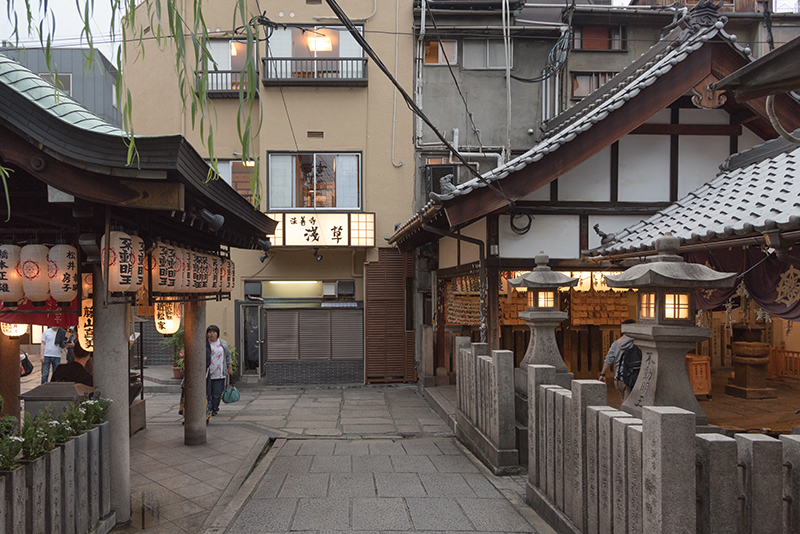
[[175, 344]]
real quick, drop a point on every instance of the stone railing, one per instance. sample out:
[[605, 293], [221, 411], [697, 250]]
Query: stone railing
[[485, 406], [594, 469], [66, 490]]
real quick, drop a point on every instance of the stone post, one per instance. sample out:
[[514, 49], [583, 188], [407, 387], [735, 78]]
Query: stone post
[[562, 399], [760, 458], [593, 503], [619, 472], [791, 459], [605, 468], [585, 393], [9, 374], [668, 470], [538, 375], [112, 378], [717, 487], [428, 374], [635, 510], [503, 361], [194, 406]]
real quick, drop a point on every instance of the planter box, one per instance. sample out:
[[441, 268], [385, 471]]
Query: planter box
[[93, 436], [35, 481], [68, 487], [105, 468], [53, 505], [81, 483]]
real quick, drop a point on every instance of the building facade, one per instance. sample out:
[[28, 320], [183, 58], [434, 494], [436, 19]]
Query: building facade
[[327, 302]]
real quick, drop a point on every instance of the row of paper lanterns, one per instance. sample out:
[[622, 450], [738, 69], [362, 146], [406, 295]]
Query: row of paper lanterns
[[38, 272]]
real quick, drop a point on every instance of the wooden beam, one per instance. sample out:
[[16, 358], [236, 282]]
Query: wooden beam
[[87, 185], [722, 130], [658, 96]]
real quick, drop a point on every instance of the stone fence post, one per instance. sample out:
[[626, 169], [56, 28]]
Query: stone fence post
[[717, 487], [760, 459]]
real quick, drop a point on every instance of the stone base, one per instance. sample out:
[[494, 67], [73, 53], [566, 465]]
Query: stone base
[[548, 511], [750, 393], [105, 524], [499, 461], [138, 416], [522, 443]]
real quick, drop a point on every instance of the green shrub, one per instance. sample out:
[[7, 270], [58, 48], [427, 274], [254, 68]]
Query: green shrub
[[35, 436], [96, 407], [10, 445], [8, 424]]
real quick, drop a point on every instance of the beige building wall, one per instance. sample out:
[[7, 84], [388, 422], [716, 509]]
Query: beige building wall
[[358, 119]]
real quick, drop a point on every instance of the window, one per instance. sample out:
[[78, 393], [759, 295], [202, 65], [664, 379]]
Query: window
[[585, 83], [318, 180], [114, 95], [62, 81], [441, 53], [314, 52], [485, 54], [237, 175], [226, 64], [647, 305], [599, 38]]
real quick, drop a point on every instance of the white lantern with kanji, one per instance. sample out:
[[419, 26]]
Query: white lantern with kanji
[[215, 274], [225, 276], [199, 272], [167, 316], [86, 325], [120, 262], [86, 285], [180, 276], [232, 274], [163, 272], [139, 258], [63, 273], [13, 329], [34, 269], [11, 290]]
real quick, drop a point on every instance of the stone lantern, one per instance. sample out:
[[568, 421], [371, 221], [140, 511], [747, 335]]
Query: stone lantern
[[542, 316], [666, 329]]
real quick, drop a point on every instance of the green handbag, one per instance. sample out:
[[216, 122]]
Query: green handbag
[[231, 394]]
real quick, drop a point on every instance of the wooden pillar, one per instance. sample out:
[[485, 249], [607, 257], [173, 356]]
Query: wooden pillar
[[492, 309], [194, 405], [112, 379], [9, 374]]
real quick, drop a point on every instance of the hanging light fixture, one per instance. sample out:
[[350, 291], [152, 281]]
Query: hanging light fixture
[[164, 268], [63, 274], [86, 285], [167, 316], [86, 325], [180, 277], [34, 268], [11, 291], [319, 42], [13, 329], [121, 259], [139, 257], [215, 274]]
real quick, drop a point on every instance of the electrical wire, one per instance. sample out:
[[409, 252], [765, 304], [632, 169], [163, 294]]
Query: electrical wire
[[557, 57], [409, 101], [475, 129]]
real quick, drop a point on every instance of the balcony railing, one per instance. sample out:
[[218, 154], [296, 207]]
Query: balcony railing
[[224, 83], [311, 71]]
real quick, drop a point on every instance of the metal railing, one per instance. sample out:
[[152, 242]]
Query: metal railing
[[224, 82], [314, 71]]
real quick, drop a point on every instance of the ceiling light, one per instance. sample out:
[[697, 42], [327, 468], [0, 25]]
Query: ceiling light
[[319, 43]]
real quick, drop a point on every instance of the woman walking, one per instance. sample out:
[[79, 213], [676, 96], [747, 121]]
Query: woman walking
[[220, 365]]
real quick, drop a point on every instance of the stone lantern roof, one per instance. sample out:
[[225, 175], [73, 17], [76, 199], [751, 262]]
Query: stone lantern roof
[[542, 277], [667, 269]]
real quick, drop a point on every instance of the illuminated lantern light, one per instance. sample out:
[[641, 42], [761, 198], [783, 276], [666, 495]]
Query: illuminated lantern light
[[139, 258], [231, 274], [13, 329], [34, 268], [227, 276], [215, 274], [167, 316], [180, 266], [63, 274], [189, 266], [676, 306], [121, 259], [199, 272], [86, 285], [647, 305], [164, 268], [86, 325], [11, 290]]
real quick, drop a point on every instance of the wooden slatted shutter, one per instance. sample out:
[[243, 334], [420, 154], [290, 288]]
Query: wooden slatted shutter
[[315, 335], [347, 335], [389, 346], [281, 335]]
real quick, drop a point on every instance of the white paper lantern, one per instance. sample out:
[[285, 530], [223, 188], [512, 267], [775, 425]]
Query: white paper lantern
[[34, 268], [180, 276], [86, 325], [163, 272], [11, 290], [139, 258], [86, 285], [63, 273], [13, 329], [225, 276], [232, 273], [121, 258], [167, 316], [215, 274], [199, 272]]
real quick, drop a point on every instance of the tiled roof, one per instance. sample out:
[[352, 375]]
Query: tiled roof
[[752, 194], [674, 48], [44, 95]]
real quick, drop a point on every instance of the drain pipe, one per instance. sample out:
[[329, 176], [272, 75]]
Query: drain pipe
[[481, 263]]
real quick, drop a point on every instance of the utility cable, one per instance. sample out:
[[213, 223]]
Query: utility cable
[[455, 81], [409, 101]]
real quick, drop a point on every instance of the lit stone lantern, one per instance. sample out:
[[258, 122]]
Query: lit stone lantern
[[666, 330], [542, 316]]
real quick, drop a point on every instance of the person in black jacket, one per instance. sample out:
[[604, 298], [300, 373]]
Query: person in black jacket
[[75, 371]]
